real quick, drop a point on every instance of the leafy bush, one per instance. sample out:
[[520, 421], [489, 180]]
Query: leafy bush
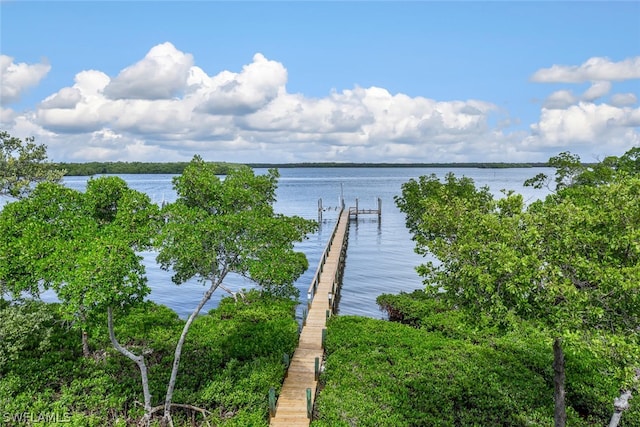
[[23, 327], [233, 356], [386, 374], [382, 373], [592, 380]]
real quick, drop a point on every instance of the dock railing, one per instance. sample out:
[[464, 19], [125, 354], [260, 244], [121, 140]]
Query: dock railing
[[316, 277], [294, 406]]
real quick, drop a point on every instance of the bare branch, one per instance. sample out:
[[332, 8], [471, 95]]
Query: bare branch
[[232, 293], [621, 403]]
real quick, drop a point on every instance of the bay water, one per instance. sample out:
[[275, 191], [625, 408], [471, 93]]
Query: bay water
[[380, 255]]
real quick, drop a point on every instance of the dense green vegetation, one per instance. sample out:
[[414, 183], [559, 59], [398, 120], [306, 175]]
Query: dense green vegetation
[[569, 263], [233, 356], [434, 367], [222, 168], [101, 168]]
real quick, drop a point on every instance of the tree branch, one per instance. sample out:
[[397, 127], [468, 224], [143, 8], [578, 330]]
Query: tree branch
[[232, 293], [178, 352], [139, 360], [621, 403], [202, 411]]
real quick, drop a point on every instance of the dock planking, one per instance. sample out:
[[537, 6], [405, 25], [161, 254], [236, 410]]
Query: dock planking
[[292, 405]]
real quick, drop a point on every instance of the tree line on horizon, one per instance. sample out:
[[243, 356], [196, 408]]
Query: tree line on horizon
[[222, 168]]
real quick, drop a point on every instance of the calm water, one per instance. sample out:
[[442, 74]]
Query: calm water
[[380, 256]]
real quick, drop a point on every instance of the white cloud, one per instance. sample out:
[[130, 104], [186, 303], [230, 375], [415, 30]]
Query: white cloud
[[67, 97], [578, 123], [623, 99], [78, 108], [15, 79], [161, 74], [337, 113], [248, 116], [594, 69], [7, 115], [597, 90], [107, 145], [560, 99], [587, 124], [240, 93]]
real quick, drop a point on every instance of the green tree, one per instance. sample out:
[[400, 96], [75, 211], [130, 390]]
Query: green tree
[[221, 226], [31, 232], [82, 246], [570, 171], [23, 164], [570, 262]]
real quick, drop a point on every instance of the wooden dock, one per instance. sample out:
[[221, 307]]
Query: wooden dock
[[354, 211], [295, 403]]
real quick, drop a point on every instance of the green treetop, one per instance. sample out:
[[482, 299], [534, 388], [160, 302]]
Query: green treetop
[[23, 164]]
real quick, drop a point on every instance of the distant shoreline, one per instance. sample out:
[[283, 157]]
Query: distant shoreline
[[99, 168], [479, 165]]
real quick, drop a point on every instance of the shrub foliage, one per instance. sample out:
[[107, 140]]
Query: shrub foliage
[[235, 356]]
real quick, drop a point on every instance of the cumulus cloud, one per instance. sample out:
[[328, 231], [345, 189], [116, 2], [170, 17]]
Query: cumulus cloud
[[166, 107], [78, 108], [623, 99], [567, 120], [587, 123], [594, 69], [7, 115], [241, 93], [67, 97], [15, 79], [597, 90], [560, 99], [161, 74]]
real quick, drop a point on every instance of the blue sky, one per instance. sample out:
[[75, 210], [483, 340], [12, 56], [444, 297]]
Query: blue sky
[[322, 81]]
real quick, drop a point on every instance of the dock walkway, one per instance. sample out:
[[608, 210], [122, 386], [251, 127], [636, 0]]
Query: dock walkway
[[298, 391]]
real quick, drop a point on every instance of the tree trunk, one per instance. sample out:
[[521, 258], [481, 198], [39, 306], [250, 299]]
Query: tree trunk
[[560, 414], [139, 360], [166, 419], [85, 337], [621, 404], [85, 343]]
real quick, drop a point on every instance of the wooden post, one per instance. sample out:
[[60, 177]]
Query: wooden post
[[272, 402], [319, 210], [304, 317], [379, 208], [356, 208], [309, 405], [328, 314], [324, 336], [316, 370]]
